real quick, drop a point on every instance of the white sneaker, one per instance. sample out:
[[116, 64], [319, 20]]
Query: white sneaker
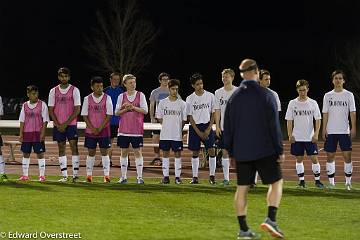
[[63, 179], [348, 186]]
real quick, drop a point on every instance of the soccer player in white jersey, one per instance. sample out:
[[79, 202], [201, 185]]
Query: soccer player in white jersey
[[171, 113], [337, 105], [300, 116], [222, 96], [200, 109], [264, 81]]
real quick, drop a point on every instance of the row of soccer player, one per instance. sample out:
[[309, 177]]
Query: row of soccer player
[[202, 109]]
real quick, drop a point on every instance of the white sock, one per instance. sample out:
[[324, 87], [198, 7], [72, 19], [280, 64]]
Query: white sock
[[256, 177], [63, 165], [348, 168], [106, 164], [316, 170], [75, 164], [212, 165], [41, 163], [89, 165], [300, 170], [25, 166], [225, 162], [2, 165], [330, 170], [124, 165], [177, 167], [165, 166], [195, 166], [139, 166]]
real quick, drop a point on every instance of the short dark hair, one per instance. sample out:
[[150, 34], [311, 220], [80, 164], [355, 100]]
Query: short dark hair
[[263, 72], [31, 88], [163, 74], [174, 82], [115, 74], [64, 70], [338, 71], [195, 77], [302, 82], [96, 79]]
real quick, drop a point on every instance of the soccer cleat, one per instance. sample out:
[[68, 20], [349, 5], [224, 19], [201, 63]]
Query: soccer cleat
[[225, 182], [139, 180], [249, 234], [89, 179], [63, 179], [301, 184], [178, 180], [24, 178], [41, 178], [165, 180], [3, 177], [194, 180], [319, 184], [106, 179], [212, 180], [75, 179], [348, 186], [272, 228], [330, 186], [122, 180]]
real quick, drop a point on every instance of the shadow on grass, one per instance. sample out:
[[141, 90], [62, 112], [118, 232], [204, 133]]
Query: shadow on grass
[[312, 192], [26, 185]]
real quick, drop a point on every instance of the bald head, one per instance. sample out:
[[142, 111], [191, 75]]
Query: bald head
[[249, 69]]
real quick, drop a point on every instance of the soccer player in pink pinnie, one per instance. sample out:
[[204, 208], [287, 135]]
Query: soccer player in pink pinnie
[[97, 110], [33, 119]]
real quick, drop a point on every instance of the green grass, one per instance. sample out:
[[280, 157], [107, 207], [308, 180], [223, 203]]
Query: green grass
[[154, 211]]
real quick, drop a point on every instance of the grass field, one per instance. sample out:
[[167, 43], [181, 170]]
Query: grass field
[[155, 211]]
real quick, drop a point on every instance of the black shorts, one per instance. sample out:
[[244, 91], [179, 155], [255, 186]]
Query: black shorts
[[267, 167], [114, 131]]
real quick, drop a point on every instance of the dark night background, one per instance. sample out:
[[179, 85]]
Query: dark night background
[[293, 40]]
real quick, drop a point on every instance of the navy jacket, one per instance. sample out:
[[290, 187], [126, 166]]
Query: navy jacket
[[251, 124]]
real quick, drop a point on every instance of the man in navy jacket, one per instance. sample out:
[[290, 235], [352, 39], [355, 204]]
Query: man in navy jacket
[[252, 135]]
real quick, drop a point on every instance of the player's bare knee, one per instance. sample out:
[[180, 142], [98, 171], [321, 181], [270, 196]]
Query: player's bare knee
[[40, 155], [92, 152], [104, 151]]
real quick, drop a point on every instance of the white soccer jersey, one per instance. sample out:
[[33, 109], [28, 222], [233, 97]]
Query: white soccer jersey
[[338, 105], [302, 114], [200, 107], [278, 103], [85, 107], [172, 113], [76, 95], [221, 98]]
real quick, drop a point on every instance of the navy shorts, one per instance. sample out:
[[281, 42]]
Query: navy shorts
[[267, 167], [91, 142], [39, 147], [114, 131], [70, 133], [124, 141], [195, 140], [299, 148], [332, 141], [176, 146]]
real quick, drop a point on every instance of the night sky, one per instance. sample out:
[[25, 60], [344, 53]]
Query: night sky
[[292, 39]]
